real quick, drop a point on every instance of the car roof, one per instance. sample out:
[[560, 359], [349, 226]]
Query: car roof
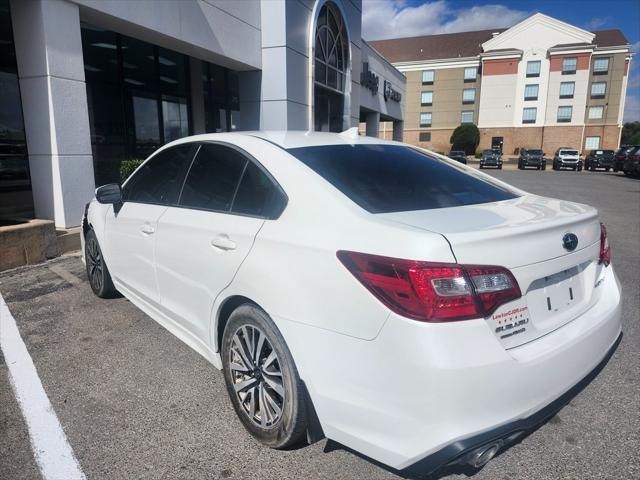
[[293, 138]]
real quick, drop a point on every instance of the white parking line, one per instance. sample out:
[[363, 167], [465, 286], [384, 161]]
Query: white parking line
[[50, 447]]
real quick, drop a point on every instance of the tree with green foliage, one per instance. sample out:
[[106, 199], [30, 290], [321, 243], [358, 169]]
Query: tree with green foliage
[[465, 137], [630, 134]]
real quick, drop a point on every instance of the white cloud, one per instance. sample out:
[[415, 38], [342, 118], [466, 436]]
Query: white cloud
[[597, 22], [635, 48], [394, 18]]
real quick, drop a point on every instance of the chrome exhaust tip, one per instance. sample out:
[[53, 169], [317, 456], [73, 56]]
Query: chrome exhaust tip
[[479, 457]]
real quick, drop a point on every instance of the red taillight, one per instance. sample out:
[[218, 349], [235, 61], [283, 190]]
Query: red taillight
[[605, 249], [433, 292]]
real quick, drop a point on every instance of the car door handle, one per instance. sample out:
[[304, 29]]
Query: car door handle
[[147, 229], [223, 242]]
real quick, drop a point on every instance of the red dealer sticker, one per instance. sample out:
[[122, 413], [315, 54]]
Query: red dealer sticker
[[511, 322]]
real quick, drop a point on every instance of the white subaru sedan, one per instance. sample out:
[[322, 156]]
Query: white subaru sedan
[[398, 302]]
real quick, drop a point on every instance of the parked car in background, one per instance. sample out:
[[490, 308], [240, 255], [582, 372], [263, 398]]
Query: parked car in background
[[530, 157], [458, 155], [567, 158], [621, 155], [362, 290], [599, 159], [631, 165], [491, 158]]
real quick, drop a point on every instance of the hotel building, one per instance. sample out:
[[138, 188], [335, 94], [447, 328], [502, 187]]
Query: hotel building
[[540, 84]]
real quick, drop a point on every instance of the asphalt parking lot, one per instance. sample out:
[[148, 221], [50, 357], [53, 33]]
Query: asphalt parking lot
[[135, 402]]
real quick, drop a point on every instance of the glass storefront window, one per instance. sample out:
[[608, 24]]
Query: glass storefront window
[[138, 64], [145, 117], [172, 72], [100, 49], [16, 201], [221, 97], [176, 118], [138, 96]]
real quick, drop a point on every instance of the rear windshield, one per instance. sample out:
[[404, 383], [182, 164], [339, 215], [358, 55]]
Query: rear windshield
[[395, 178], [488, 152], [534, 152]]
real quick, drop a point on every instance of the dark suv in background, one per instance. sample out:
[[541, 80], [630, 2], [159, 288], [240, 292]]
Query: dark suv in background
[[458, 155], [631, 165], [491, 158], [621, 155], [530, 157], [599, 159]]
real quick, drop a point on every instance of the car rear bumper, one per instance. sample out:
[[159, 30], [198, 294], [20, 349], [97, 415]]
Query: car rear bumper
[[422, 392], [507, 434]]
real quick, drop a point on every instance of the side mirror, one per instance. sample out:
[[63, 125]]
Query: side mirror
[[110, 193]]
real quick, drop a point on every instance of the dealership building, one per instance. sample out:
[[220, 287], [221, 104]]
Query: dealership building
[[540, 84], [86, 84]]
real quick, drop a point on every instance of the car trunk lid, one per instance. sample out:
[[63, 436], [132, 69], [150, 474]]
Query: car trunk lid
[[525, 235]]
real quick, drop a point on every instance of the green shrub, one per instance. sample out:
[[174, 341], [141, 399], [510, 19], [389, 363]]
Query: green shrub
[[516, 151], [128, 166], [478, 154], [465, 137]]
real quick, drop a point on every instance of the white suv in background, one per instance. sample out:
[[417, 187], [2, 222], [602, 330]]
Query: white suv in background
[[567, 158]]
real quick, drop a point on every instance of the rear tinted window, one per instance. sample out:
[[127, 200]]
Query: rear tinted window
[[568, 152], [393, 178], [257, 195], [213, 178]]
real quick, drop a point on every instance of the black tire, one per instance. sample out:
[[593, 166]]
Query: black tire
[[544, 167], [499, 167], [288, 428], [593, 168], [608, 169], [97, 271]]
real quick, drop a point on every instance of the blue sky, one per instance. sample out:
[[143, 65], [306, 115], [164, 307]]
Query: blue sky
[[403, 18]]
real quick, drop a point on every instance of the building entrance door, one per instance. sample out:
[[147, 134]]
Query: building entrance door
[[328, 110], [496, 143]]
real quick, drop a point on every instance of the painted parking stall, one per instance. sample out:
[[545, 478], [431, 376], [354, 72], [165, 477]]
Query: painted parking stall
[[51, 450]]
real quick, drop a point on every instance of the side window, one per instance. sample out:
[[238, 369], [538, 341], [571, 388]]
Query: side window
[[213, 178], [257, 195], [160, 179]]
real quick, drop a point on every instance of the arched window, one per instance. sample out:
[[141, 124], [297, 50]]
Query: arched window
[[331, 48], [330, 72]]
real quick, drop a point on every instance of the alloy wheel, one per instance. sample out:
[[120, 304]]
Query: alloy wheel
[[257, 376], [94, 263]]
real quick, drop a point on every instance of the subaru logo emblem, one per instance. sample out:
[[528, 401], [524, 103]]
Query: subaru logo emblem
[[570, 241]]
